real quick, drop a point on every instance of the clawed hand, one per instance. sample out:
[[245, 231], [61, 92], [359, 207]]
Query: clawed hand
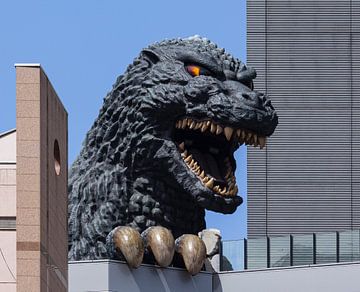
[[126, 242]]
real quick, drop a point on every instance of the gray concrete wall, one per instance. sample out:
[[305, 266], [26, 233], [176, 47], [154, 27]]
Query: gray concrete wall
[[322, 278], [107, 275]]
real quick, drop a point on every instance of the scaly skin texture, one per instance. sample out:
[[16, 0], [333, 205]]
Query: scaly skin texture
[[130, 171]]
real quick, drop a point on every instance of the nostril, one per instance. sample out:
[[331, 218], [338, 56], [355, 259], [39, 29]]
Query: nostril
[[246, 96], [262, 97]]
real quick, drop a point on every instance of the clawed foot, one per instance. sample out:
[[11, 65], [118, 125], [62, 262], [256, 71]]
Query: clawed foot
[[160, 242], [193, 252], [127, 243]]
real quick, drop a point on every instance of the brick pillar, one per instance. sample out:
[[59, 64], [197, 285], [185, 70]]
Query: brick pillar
[[41, 178]]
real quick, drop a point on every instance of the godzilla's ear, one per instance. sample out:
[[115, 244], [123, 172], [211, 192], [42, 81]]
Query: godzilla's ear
[[150, 55]]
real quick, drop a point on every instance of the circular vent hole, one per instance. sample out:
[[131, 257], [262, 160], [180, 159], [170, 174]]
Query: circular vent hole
[[57, 157]]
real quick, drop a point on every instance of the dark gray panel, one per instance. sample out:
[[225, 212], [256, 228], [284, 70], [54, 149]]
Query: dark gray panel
[[307, 54]]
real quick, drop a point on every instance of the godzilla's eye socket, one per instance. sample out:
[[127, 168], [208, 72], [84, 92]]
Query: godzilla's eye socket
[[196, 70]]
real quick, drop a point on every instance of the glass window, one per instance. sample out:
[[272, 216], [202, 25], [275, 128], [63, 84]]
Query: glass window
[[325, 248], [349, 245], [302, 250], [233, 255], [280, 251], [257, 253]]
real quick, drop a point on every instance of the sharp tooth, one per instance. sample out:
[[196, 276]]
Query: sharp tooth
[[197, 169], [183, 123], [210, 183], [228, 131], [205, 179], [249, 136], [192, 125], [231, 192], [228, 174], [243, 134], [204, 127], [213, 128], [188, 159], [197, 172], [262, 142], [219, 130], [255, 140], [216, 189], [238, 132], [223, 191], [177, 124], [208, 123], [198, 125], [182, 146], [192, 163], [202, 174], [189, 121]]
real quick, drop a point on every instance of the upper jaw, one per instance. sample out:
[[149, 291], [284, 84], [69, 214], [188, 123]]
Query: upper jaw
[[239, 135], [207, 149]]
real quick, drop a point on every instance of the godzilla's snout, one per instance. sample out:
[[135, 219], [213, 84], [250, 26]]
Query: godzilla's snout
[[256, 110], [249, 109]]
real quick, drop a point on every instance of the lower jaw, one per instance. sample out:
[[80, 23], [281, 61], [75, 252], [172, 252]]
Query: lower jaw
[[230, 188]]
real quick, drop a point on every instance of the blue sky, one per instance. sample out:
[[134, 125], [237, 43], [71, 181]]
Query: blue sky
[[84, 45]]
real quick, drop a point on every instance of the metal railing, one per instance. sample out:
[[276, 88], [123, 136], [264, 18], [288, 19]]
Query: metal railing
[[291, 250]]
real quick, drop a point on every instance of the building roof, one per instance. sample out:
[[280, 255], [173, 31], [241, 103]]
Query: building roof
[[8, 147], [3, 134]]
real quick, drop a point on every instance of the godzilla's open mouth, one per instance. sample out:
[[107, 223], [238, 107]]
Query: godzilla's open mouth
[[208, 148]]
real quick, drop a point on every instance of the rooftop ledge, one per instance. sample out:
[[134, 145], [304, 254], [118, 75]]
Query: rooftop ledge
[[111, 275], [27, 65]]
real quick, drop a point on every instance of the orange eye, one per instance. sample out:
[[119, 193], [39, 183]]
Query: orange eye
[[196, 70], [193, 70]]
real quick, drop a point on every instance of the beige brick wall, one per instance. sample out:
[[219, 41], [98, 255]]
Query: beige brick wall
[[41, 193]]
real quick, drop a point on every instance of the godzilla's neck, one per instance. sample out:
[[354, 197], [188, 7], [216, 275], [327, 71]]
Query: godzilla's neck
[[155, 202]]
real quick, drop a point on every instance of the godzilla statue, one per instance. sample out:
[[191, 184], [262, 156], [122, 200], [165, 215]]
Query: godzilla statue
[[161, 152]]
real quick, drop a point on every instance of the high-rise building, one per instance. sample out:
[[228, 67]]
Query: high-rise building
[[307, 55]]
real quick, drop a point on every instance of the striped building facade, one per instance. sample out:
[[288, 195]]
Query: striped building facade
[[307, 55]]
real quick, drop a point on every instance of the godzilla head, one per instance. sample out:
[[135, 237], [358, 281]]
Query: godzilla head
[[180, 112]]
